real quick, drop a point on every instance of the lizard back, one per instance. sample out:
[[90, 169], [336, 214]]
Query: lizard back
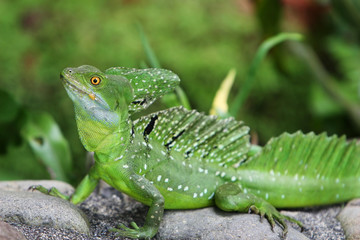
[[197, 137], [188, 154]]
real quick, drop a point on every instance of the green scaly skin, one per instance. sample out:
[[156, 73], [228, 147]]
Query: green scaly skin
[[180, 159]]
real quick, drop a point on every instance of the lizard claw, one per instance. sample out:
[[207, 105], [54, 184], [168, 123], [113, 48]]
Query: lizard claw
[[253, 209], [51, 192], [272, 215], [134, 232]]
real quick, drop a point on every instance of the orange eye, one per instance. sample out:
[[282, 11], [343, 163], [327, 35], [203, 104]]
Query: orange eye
[[95, 80]]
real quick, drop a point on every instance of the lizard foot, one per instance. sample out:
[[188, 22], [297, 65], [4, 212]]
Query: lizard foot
[[52, 191], [134, 232], [268, 211]]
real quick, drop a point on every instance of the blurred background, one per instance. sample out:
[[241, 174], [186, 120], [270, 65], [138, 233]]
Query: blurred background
[[312, 85]]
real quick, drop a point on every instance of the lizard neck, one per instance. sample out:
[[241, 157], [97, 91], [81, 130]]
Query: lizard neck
[[112, 148], [106, 133]]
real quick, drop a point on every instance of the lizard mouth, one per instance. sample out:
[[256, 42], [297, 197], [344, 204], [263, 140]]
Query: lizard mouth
[[75, 90], [70, 85]]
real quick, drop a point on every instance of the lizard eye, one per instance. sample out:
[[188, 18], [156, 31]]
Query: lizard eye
[[95, 80]]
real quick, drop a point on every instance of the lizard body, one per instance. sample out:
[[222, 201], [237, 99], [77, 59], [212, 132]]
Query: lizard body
[[180, 159]]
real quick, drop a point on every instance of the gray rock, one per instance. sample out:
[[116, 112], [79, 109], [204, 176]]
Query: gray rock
[[24, 185], [107, 208], [319, 222], [350, 219], [210, 223], [7, 232], [37, 209]]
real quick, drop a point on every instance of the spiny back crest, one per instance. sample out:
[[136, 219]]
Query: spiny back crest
[[308, 155], [197, 136]]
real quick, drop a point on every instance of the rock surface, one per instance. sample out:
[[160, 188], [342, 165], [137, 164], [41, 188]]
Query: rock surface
[[350, 219], [41, 210], [8, 232], [210, 223], [24, 185], [107, 208]]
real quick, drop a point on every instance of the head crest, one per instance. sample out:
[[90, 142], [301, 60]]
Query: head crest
[[148, 84]]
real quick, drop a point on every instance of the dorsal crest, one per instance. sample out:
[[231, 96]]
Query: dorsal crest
[[148, 84], [197, 136]]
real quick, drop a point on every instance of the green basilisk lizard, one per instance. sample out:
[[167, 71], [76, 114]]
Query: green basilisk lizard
[[181, 159]]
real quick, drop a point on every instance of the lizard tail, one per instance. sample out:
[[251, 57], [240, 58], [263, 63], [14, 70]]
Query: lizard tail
[[295, 170]]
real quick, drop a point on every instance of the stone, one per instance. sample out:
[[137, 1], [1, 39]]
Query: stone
[[39, 209], [24, 185], [8, 232], [350, 220], [211, 223]]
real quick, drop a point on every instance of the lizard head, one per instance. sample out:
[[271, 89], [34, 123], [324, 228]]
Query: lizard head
[[90, 86], [101, 102]]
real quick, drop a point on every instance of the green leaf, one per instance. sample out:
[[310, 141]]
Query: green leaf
[[47, 142], [8, 107], [19, 162], [154, 62], [348, 11]]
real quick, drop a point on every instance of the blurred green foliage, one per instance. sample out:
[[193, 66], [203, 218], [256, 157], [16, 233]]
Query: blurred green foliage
[[200, 41], [32, 145]]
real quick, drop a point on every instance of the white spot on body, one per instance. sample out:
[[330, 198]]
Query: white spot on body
[[125, 166], [158, 178], [211, 196]]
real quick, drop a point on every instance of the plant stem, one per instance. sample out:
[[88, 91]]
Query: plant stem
[[259, 57]]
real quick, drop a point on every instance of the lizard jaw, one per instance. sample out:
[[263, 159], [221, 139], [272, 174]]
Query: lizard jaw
[[76, 90], [71, 86]]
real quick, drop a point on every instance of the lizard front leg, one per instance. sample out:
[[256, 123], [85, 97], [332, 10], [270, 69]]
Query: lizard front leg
[[230, 197], [84, 189], [142, 187]]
